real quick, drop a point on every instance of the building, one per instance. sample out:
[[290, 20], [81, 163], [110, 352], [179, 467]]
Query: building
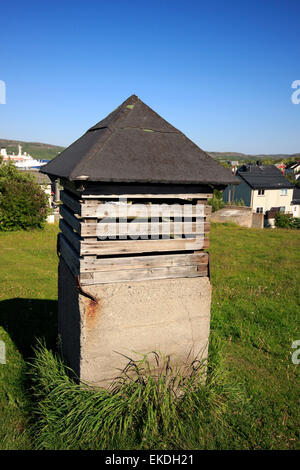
[[296, 202], [281, 166], [234, 165], [293, 169], [264, 188], [137, 286]]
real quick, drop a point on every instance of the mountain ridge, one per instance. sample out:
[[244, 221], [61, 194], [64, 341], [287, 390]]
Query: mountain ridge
[[46, 151]]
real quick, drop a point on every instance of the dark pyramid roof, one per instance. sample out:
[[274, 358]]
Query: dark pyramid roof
[[135, 144]]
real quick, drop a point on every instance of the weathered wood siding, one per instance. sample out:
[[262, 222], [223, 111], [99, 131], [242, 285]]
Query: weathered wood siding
[[129, 240]]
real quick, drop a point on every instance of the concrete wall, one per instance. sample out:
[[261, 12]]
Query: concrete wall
[[257, 220], [238, 214], [171, 316]]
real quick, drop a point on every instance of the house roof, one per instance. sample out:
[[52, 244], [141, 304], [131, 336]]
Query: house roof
[[135, 144], [296, 196], [263, 177], [293, 165]]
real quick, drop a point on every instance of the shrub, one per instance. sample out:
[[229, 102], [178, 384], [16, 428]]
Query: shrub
[[283, 220], [216, 202], [237, 202], [23, 203]]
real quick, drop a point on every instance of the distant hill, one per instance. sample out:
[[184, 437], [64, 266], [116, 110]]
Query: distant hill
[[244, 156], [48, 152], [35, 149]]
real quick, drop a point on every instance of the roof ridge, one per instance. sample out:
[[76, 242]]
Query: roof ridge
[[132, 100], [176, 131]]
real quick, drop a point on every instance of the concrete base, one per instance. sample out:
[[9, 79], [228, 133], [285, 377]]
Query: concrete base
[[170, 316], [240, 215]]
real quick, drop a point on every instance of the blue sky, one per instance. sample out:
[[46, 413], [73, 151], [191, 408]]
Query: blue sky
[[220, 71]]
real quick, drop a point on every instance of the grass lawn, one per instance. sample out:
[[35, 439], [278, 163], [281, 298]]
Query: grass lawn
[[255, 319]]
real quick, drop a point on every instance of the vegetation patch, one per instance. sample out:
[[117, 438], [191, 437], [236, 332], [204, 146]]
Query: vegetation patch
[[23, 203], [250, 399], [150, 406], [283, 220]]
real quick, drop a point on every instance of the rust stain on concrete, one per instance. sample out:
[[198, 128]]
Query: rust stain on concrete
[[92, 312]]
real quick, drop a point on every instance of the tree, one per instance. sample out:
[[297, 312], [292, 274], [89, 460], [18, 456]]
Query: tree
[[216, 202], [23, 203]]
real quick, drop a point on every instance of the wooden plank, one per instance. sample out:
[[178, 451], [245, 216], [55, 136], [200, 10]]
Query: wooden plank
[[139, 246], [146, 228], [142, 262], [70, 235], [142, 210], [96, 189], [175, 196], [144, 274], [69, 255], [71, 202], [208, 211], [70, 218]]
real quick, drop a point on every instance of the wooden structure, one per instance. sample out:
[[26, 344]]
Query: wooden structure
[[168, 247], [134, 215]]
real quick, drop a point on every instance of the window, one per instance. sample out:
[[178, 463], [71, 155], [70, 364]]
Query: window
[[283, 192], [282, 209], [261, 192], [259, 210]]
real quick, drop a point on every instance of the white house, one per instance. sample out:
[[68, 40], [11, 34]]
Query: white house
[[264, 188], [296, 202]]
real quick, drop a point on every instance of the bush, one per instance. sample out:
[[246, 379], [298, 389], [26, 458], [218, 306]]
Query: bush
[[283, 220], [237, 202], [23, 203], [216, 202]]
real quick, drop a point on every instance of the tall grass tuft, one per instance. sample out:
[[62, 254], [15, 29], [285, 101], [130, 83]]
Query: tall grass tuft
[[145, 408]]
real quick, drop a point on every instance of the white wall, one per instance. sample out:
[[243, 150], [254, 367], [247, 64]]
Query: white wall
[[47, 189], [296, 210], [272, 198]]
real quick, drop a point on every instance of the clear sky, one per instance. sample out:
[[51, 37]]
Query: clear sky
[[220, 71]]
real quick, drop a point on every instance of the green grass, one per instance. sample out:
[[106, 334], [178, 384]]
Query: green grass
[[28, 309], [255, 319], [142, 410]]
